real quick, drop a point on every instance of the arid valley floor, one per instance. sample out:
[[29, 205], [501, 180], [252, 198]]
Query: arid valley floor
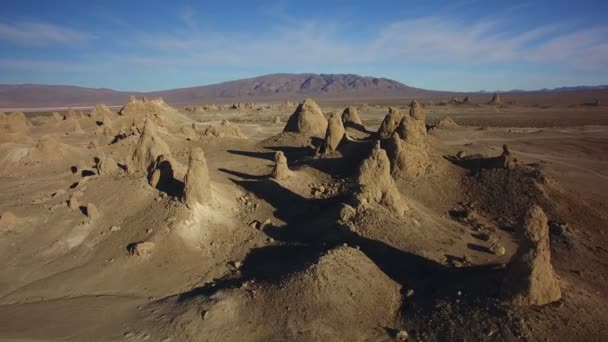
[[278, 222]]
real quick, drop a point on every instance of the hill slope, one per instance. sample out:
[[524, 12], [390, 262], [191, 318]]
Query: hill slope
[[274, 87], [264, 88]]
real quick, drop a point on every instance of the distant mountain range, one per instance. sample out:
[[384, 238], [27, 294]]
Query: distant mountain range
[[274, 87]]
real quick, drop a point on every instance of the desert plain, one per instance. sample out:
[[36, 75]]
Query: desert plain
[[305, 220]]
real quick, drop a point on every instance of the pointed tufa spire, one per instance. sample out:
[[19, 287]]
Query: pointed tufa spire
[[149, 147], [376, 186], [390, 123], [412, 127], [496, 100], [506, 159], [307, 119], [530, 278], [281, 170], [334, 134], [350, 116], [197, 183]]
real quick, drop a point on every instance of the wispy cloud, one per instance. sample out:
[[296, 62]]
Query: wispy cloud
[[41, 34], [434, 39]]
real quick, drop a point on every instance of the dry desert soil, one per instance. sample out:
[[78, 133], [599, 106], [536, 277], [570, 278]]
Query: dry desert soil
[[299, 222]]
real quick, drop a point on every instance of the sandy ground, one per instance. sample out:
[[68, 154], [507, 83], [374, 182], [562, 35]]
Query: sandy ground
[[268, 260]]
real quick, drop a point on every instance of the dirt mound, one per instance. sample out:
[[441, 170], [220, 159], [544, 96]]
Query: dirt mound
[[197, 184], [334, 135], [224, 129], [506, 194], [530, 278], [496, 100], [446, 123], [376, 185], [149, 147], [307, 119], [280, 170], [390, 123], [350, 117], [343, 296]]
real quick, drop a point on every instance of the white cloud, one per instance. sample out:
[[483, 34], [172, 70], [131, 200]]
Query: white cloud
[[437, 39], [41, 34]]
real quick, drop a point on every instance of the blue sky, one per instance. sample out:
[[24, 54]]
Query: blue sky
[[447, 45]]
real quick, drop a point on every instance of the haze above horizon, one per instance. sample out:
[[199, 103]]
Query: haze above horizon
[[467, 45]]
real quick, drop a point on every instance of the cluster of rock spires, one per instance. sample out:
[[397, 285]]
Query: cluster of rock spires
[[530, 279]]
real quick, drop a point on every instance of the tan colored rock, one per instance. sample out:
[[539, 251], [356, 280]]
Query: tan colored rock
[[224, 129], [307, 119], [446, 123], [412, 127], [142, 249], [17, 123], [281, 169], [149, 147], [407, 160], [506, 160], [188, 132], [375, 184], [73, 202], [8, 220], [496, 100], [334, 134], [92, 212], [390, 123], [530, 278], [277, 120], [350, 117], [107, 166], [162, 172], [197, 183], [143, 107]]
